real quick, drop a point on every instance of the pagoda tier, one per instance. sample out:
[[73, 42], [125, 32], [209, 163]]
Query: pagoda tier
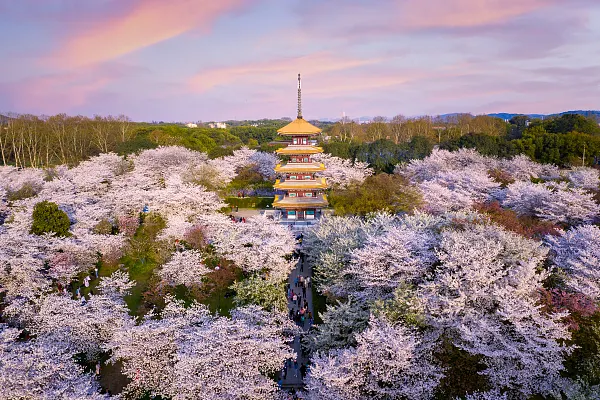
[[299, 127], [300, 185], [311, 167], [299, 150], [296, 203]]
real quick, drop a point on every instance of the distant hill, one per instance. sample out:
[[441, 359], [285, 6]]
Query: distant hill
[[590, 113], [506, 116]]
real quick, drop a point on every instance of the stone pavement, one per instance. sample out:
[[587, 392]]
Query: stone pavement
[[293, 377]]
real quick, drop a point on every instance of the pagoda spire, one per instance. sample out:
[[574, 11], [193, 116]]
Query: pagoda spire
[[299, 98]]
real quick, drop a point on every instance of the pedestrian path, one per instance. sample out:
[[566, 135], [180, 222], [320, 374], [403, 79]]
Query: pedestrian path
[[292, 374]]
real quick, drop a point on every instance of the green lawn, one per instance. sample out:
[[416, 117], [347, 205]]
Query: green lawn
[[250, 202]]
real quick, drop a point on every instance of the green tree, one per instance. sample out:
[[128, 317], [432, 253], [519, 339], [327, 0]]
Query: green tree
[[48, 218], [262, 292], [572, 123], [377, 193]]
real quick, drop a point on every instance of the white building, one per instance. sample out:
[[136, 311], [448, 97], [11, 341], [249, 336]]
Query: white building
[[191, 125], [219, 125]]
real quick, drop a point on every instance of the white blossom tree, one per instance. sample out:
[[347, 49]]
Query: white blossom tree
[[388, 363], [188, 353], [401, 255], [577, 253], [483, 294], [259, 245], [584, 178], [41, 369], [184, 268], [341, 172]]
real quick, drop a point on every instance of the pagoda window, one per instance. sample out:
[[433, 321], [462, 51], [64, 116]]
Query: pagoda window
[[295, 141], [309, 194], [305, 159], [292, 194], [304, 140], [307, 177], [294, 159], [294, 177]]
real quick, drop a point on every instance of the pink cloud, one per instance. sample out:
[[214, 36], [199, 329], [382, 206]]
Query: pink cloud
[[464, 13], [147, 23], [62, 92], [276, 71]]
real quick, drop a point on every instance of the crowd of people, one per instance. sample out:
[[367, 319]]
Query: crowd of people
[[297, 291]]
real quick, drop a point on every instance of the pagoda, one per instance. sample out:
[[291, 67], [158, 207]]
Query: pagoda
[[303, 196]]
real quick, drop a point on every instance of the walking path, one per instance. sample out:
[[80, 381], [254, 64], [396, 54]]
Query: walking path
[[292, 373]]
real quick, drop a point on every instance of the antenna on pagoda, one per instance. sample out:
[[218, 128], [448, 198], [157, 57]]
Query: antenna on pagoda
[[299, 98]]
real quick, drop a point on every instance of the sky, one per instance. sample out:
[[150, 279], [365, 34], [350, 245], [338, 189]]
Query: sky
[[212, 60]]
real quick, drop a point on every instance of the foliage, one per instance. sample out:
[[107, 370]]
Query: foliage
[[528, 227], [48, 218], [262, 292], [341, 324], [376, 193], [250, 202]]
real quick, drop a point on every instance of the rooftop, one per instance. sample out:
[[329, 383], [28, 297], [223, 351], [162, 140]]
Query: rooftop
[[291, 184], [299, 126], [295, 202], [300, 149], [300, 167]]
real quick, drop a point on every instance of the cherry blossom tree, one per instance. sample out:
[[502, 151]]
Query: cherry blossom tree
[[259, 245], [453, 191], [483, 296], [41, 369], [341, 324], [21, 182], [341, 172], [401, 255], [522, 168], [554, 202], [388, 363], [265, 162], [440, 161], [184, 268], [577, 253], [188, 353], [584, 178]]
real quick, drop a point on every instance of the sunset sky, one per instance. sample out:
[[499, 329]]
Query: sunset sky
[[190, 60]]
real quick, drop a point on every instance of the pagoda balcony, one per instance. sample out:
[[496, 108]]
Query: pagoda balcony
[[299, 150], [293, 184], [300, 202], [300, 167]]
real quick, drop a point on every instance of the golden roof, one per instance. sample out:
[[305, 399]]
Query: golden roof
[[292, 184], [299, 126], [299, 149], [300, 167], [300, 202]]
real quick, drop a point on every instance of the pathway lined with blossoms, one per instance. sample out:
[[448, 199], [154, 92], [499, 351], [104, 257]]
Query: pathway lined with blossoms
[[293, 375]]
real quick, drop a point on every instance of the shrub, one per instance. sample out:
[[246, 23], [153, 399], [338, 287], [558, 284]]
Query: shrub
[[103, 227], [377, 193], [26, 191], [529, 227], [48, 218]]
